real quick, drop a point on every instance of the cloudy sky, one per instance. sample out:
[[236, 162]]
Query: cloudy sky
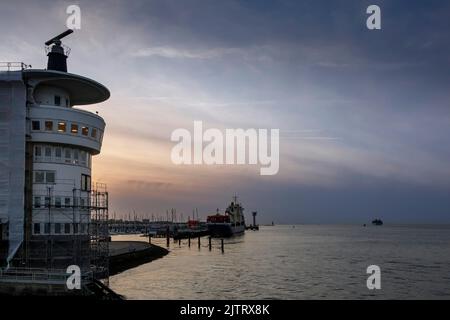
[[364, 116]]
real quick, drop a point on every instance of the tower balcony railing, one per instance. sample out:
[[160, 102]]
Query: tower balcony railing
[[34, 275], [14, 66]]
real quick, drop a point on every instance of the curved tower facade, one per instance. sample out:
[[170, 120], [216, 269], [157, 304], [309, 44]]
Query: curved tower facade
[[61, 141], [57, 146]]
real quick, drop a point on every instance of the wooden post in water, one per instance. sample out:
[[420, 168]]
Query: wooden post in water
[[168, 236], [209, 239], [189, 241], [179, 242], [222, 245], [199, 242]]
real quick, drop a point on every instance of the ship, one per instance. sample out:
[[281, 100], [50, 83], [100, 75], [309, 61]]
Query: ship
[[191, 229], [377, 222], [229, 224]]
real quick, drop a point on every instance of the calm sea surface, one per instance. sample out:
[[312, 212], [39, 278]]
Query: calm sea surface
[[301, 262]]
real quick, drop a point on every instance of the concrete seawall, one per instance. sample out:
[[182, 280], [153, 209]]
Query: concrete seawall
[[124, 255]]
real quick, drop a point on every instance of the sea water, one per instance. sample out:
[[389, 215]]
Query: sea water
[[299, 262]]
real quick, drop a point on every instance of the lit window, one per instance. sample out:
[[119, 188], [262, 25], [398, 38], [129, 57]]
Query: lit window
[[94, 133], [37, 151], [39, 177], [57, 202], [36, 125], [58, 228], [57, 100], [37, 202], [85, 131], [66, 228], [48, 125], [50, 176], [58, 152], [48, 152], [37, 228], [74, 128], [61, 126]]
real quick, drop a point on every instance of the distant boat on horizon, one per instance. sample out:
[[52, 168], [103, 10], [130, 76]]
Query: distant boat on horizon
[[377, 222]]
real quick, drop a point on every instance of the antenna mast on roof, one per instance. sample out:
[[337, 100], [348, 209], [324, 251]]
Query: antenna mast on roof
[[57, 54]]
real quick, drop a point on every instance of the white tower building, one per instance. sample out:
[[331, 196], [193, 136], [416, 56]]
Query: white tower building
[[46, 148]]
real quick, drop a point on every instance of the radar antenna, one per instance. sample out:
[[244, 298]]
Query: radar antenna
[[57, 53], [57, 39]]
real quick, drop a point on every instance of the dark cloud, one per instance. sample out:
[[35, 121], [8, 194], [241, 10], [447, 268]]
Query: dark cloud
[[385, 95]]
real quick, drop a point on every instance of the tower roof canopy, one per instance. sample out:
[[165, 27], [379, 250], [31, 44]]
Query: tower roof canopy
[[82, 90]]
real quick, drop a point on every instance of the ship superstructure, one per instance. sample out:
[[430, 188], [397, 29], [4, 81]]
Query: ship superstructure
[[228, 224]]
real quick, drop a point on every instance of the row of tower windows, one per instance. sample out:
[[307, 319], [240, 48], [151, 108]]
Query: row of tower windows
[[49, 177], [48, 153], [61, 202], [60, 228], [66, 127]]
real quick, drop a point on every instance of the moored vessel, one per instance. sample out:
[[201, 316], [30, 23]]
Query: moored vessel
[[228, 224]]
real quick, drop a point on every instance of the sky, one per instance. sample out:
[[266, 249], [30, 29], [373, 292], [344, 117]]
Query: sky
[[363, 114]]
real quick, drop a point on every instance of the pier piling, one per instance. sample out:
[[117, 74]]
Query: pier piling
[[189, 241], [168, 236], [199, 242], [179, 242], [221, 244], [209, 240]]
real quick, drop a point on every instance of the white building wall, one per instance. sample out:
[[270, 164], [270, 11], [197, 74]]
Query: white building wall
[[67, 178], [94, 124], [52, 211], [46, 95], [12, 156]]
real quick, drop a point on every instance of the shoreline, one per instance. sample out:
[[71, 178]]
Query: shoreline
[[125, 255]]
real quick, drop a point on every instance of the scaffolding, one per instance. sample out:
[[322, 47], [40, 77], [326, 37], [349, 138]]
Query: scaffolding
[[85, 243], [99, 233]]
